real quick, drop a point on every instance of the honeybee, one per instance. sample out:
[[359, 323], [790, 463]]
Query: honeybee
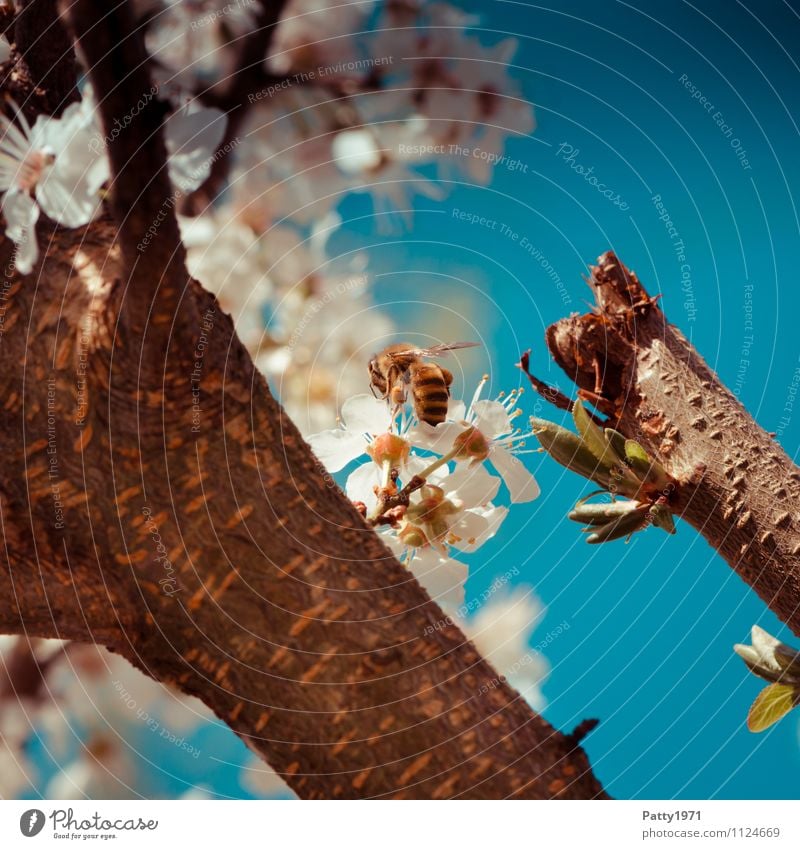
[[401, 367]]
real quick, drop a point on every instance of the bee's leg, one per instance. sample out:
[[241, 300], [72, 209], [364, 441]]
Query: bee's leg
[[448, 376], [398, 396]]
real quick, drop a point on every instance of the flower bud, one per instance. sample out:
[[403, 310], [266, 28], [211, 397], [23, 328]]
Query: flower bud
[[432, 513], [389, 448], [471, 445], [412, 536]]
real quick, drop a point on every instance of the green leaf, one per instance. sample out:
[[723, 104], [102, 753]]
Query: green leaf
[[571, 451], [625, 481], [617, 441], [636, 454], [647, 469], [618, 528], [592, 434], [772, 704]]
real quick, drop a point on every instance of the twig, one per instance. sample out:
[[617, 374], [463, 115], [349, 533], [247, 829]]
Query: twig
[[399, 499], [550, 394], [581, 730]]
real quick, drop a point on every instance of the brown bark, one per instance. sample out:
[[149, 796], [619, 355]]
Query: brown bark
[[203, 541], [738, 487], [43, 63]]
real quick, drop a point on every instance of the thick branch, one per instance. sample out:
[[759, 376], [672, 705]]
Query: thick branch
[[184, 522], [43, 63], [240, 575], [142, 198], [739, 489]]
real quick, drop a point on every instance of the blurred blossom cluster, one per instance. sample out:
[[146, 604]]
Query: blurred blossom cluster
[[89, 711], [58, 166], [382, 99], [390, 100]]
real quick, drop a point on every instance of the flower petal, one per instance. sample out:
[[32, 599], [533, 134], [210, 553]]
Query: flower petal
[[456, 410], [477, 526], [336, 448], [21, 213], [361, 484], [193, 139], [521, 483], [68, 192], [365, 414], [473, 486], [492, 419], [438, 439], [465, 533], [442, 577]]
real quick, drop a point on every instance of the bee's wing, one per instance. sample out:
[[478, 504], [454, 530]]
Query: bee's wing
[[435, 350]]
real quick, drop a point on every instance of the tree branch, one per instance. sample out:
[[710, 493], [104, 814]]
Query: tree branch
[[238, 574], [43, 63], [248, 78], [738, 488], [142, 198]]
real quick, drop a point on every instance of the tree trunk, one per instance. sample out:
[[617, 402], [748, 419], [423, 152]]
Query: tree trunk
[[737, 486]]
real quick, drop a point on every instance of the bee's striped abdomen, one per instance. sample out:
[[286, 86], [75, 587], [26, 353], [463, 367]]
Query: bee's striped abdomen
[[430, 393]]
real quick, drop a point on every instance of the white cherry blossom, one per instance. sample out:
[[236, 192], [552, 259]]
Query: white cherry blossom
[[470, 489], [54, 167], [363, 418], [501, 631], [315, 36], [484, 431], [59, 165], [193, 136]]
